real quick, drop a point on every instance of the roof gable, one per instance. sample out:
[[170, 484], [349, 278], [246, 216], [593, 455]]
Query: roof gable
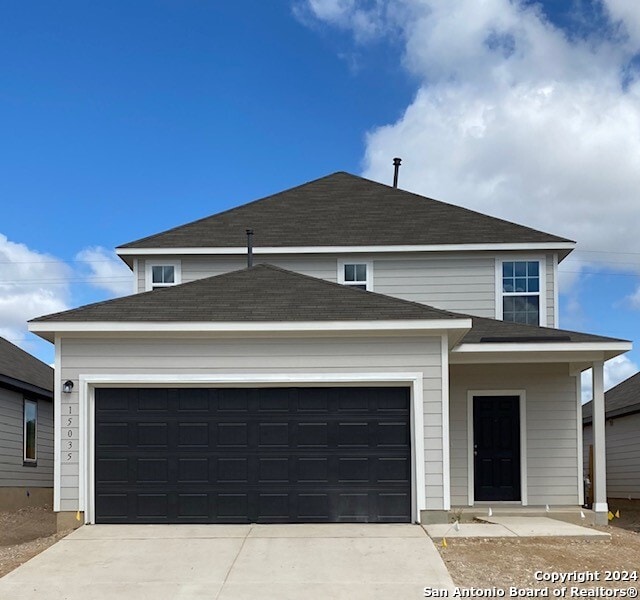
[[18, 366], [344, 210]]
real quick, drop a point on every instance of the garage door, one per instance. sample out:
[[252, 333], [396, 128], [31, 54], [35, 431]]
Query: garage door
[[265, 455]]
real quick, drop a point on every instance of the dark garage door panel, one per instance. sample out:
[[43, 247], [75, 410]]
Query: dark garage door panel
[[236, 455]]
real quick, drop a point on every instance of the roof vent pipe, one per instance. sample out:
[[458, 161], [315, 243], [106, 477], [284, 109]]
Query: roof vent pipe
[[396, 168], [249, 247]]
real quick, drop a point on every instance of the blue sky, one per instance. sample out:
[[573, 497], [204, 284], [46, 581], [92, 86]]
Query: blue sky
[[121, 119]]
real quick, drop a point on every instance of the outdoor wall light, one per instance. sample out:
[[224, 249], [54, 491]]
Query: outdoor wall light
[[67, 386]]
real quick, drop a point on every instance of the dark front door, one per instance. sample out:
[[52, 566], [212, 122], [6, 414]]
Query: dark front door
[[496, 433], [266, 455]]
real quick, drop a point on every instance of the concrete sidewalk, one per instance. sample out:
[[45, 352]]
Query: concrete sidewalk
[[232, 562], [529, 527]]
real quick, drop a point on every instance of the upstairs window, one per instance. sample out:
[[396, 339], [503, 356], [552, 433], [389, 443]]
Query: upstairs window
[[521, 285], [356, 274], [30, 431], [162, 274]]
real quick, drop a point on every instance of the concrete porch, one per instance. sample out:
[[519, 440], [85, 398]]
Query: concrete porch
[[521, 526], [567, 514]]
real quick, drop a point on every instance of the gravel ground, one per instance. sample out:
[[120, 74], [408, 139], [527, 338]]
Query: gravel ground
[[25, 533], [505, 562]]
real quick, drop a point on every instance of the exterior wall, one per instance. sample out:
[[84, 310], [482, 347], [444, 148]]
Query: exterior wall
[[458, 282], [366, 354], [13, 474], [551, 420], [198, 267], [623, 455], [551, 307], [463, 284], [139, 284]]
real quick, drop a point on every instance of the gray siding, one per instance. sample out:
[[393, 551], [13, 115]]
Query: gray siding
[[256, 356], [141, 275], [452, 281], [322, 267], [12, 471], [458, 283], [198, 267], [551, 416], [550, 292], [623, 456]]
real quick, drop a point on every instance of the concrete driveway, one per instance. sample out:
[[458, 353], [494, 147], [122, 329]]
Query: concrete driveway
[[232, 562]]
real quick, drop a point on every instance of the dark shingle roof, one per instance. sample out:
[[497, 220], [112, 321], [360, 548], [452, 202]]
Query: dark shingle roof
[[493, 331], [260, 293], [265, 293], [344, 210], [620, 400], [20, 366]]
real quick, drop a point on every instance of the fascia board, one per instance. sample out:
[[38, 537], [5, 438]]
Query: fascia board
[[270, 326], [544, 347], [519, 246]]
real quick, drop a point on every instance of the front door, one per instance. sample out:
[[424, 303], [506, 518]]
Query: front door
[[496, 437]]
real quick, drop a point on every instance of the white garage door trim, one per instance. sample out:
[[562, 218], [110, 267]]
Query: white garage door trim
[[88, 383]]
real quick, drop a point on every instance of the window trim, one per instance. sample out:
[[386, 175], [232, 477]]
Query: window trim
[[541, 293], [29, 462], [148, 272], [342, 262]]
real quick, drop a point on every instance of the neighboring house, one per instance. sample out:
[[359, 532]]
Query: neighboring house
[[388, 358], [622, 409], [26, 429]]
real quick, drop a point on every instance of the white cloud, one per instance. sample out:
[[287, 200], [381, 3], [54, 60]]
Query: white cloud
[[633, 300], [569, 272], [365, 20], [627, 15], [512, 117], [31, 284], [105, 270], [615, 370]]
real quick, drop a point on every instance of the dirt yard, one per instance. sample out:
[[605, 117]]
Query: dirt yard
[[25, 533], [505, 562]]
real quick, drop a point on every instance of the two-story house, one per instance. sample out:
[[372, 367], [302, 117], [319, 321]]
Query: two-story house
[[387, 358]]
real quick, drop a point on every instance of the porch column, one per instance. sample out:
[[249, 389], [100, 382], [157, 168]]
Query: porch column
[[599, 450]]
